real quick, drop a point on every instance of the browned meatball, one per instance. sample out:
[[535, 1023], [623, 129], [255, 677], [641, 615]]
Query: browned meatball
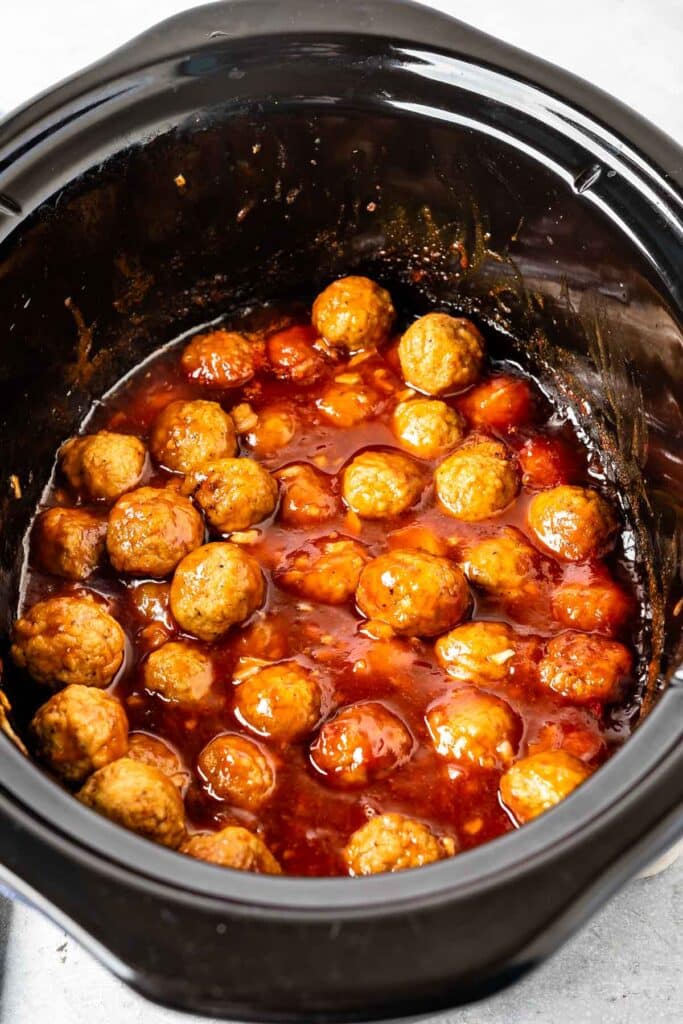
[[392, 842], [235, 769], [505, 564], [470, 727], [272, 430], [222, 359], [347, 401], [68, 542], [69, 640], [427, 427], [585, 668], [79, 730], [308, 495], [292, 356], [150, 530], [179, 672], [103, 465], [415, 593], [599, 606], [441, 353], [537, 783], [186, 434], [233, 847], [281, 702], [381, 485], [363, 742], [574, 523], [139, 797], [326, 570], [353, 313], [215, 587], [478, 652], [235, 494], [155, 752], [478, 480]]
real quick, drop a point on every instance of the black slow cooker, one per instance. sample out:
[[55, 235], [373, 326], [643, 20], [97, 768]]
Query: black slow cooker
[[246, 150]]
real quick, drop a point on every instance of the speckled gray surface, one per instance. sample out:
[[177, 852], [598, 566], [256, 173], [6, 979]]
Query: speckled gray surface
[[626, 965]]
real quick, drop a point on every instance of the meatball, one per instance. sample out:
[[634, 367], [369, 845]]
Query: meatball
[[281, 702], [427, 427], [272, 430], [478, 480], [139, 797], [546, 462], [415, 593], [179, 672], [327, 570], [391, 842], [353, 313], [348, 402], [221, 359], [505, 564], [535, 784], [585, 668], [153, 751], [292, 356], [470, 727], [499, 403], [187, 434], [441, 353], [308, 496], [150, 530], [68, 542], [214, 587], [363, 742], [103, 465], [79, 730], [235, 769], [64, 640], [477, 652], [381, 485], [233, 847], [574, 523], [598, 606], [235, 494]]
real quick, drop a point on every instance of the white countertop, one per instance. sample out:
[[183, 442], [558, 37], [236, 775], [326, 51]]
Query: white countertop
[[626, 966]]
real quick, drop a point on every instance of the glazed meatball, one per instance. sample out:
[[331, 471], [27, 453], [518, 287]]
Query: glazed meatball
[[215, 587], [326, 570], [139, 797], [103, 465], [64, 640], [499, 403], [537, 783], [477, 652], [415, 593], [381, 485], [363, 742], [150, 530], [441, 353], [152, 751], [478, 480], [505, 564], [187, 434], [348, 402], [308, 497], [292, 356], [221, 359], [574, 523], [179, 672], [392, 842], [79, 730], [585, 668], [235, 494], [427, 427], [272, 430], [470, 727], [68, 542], [235, 769], [281, 702], [233, 847], [353, 313], [598, 606], [546, 462]]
